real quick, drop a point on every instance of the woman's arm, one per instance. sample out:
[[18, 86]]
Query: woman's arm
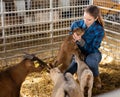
[[90, 47]]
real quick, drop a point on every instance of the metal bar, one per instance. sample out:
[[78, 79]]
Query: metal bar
[[113, 32], [117, 40], [91, 2], [3, 30], [31, 47], [44, 9], [111, 22], [109, 9], [34, 23], [51, 24]]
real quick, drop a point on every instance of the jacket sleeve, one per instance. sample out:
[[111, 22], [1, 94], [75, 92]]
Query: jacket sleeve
[[95, 44]]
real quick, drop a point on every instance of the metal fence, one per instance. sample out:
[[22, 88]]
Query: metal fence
[[35, 26], [111, 13], [39, 26]]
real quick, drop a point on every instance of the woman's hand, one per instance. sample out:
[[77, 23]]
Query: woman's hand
[[76, 37]]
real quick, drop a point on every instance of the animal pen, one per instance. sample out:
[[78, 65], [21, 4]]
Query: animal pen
[[40, 26]]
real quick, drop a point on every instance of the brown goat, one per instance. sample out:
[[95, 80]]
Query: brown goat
[[12, 78], [67, 49]]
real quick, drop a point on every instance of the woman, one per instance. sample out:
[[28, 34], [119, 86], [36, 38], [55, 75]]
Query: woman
[[90, 41]]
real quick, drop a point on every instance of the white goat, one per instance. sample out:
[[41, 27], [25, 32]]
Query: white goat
[[64, 85], [85, 76]]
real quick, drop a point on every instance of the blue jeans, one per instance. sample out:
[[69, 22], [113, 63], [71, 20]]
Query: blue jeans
[[92, 60]]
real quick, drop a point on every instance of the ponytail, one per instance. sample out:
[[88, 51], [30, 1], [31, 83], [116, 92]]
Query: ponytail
[[95, 12], [100, 20]]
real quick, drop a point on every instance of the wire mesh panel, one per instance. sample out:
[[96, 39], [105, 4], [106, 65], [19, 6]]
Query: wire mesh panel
[[111, 13], [39, 26], [35, 26]]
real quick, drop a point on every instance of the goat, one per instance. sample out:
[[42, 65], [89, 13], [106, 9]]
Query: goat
[[12, 78], [67, 49], [64, 85], [85, 76]]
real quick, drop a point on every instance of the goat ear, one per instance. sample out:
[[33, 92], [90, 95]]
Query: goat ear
[[28, 56]]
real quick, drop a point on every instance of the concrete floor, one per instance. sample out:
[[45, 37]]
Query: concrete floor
[[115, 93]]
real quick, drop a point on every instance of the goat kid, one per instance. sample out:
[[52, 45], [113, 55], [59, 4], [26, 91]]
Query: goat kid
[[12, 78], [64, 85], [85, 76], [67, 49]]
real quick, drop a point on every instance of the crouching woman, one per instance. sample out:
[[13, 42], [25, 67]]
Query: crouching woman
[[90, 41]]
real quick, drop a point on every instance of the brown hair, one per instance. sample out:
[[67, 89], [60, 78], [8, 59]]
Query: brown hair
[[95, 12]]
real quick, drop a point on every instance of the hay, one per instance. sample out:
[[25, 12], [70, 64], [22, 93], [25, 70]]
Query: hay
[[110, 76], [40, 84], [37, 85]]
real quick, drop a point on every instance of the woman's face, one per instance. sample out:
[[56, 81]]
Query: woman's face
[[88, 19]]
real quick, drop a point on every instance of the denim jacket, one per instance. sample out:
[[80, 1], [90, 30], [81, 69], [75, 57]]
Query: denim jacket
[[92, 37]]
